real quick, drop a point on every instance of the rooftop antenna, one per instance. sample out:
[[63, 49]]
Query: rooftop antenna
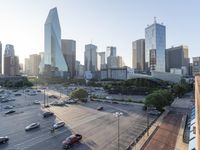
[[154, 19]]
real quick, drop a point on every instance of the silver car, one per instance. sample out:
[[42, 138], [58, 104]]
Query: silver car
[[59, 125], [32, 126]]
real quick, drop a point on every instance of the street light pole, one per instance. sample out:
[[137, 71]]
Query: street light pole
[[118, 114], [44, 97], [147, 121]]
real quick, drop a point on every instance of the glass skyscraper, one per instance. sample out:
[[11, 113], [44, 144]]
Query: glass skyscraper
[[155, 41], [53, 56]]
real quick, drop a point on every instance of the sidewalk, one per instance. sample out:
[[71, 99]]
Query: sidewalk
[[153, 128]]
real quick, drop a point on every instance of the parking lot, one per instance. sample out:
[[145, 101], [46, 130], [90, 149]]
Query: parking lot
[[98, 128]]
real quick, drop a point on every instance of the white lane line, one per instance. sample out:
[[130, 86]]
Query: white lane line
[[33, 141]]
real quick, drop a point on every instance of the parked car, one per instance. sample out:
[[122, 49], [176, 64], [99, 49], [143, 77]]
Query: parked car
[[11, 99], [36, 102], [70, 101], [8, 107], [71, 140], [10, 112], [32, 126], [47, 114], [53, 96], [100, 108], [4, 139], [18, 94], [56, 103], [59, 125], [154, 112], [4, 100]]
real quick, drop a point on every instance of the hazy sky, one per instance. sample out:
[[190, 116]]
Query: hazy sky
[[104, 22]]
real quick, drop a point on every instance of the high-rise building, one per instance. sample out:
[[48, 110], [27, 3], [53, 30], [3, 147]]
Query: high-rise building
[[0, 58], [90, 57], [11, 62], [111, 51], [177, 57], [54, 62], [101, 60], [69, 52], [155, 38], [196, 65], [138, 54], [27, 66], [115, 62], [34, 61]]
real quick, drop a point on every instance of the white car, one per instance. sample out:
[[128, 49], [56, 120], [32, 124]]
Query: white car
[[8, 107], [59, 125], [36, 102], [32, 126]]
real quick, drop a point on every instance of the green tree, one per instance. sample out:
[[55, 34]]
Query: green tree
[[159, 99], [80, 94]]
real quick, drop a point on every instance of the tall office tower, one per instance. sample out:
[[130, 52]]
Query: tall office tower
[[115, 62], [27, 66], [196, 65], [90, 57], [34, 61], [11, 62], [155, 38], [101, 60], [69, 52], [138, 54], [0, 58], [111, 51], [54, 62], [177, 57]]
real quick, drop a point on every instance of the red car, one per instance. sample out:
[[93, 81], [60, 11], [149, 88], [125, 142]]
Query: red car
[[71, 140]]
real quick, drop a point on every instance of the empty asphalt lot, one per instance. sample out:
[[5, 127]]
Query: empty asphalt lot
[[98, 128]]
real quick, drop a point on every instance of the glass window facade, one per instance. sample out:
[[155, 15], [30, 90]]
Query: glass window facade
[[155, 38]]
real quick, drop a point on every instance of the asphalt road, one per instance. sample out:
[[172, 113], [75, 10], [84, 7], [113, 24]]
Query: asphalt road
[[98, 128]]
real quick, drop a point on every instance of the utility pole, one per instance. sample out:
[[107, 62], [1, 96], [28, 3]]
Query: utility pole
[[118, 114], [44, 97], [147, 121]]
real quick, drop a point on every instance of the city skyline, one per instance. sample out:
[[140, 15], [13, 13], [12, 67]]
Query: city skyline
[[113, 26]]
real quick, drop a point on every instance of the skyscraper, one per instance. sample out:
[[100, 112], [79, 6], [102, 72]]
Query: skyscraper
[[138, 54], [155, 39], [69, 52], [177, 57], [11, 62], [34, 61], [196, 65], [53, 57], [115, 62], [0, 58], [90, 57], [111, 51], [101, 60], [27, 66]]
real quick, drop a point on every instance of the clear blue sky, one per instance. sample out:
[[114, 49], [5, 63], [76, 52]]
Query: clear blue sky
[[104, 22]]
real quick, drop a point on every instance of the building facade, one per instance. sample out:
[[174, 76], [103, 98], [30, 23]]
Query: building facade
[[155, 38], [27, 66], [11, 62], [138, 54], [101, 60], [196, 65], [34, 61], [69, 52], [53, 57], [111, 51], [115, 62], [0, 57], [90, 57], [177, 57]]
